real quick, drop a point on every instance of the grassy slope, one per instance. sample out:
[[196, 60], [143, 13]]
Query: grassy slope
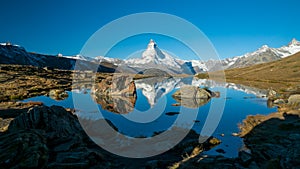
[[280, 74]]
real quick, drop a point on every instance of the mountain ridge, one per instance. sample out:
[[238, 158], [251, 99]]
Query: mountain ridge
[[151, 58]]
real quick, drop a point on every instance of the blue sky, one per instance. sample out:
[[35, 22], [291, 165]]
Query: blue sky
[[234, 27]]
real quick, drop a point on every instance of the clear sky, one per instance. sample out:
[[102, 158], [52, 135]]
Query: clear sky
[[234, 27]]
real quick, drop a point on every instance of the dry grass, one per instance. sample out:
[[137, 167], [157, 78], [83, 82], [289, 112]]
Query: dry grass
[[281, 74]]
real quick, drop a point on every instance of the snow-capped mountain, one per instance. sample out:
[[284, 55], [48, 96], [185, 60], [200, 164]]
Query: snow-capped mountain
[[262, 55], [14, 54], [77, 57], [153, 57], [114, 61]]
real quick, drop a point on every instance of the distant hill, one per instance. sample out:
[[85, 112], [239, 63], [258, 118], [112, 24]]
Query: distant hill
[[283, 73], [14, 54]]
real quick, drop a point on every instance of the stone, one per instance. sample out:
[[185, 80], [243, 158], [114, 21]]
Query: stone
[[279, 101], [53, 138], [115, 86], [23, 149], [272, 94], [191, 102], [192, 96], [212, 141], [294, 99], [245, 158], [192, 92], [58, 94]]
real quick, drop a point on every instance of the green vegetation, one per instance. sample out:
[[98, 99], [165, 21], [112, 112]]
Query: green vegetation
[[16, 97]]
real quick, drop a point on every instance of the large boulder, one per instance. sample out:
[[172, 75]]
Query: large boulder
[[274, 143], [294, 99], [23, 149], [191, 102], [44, 132], [115, 86], [192, 92], [193, 97], [58, 94]]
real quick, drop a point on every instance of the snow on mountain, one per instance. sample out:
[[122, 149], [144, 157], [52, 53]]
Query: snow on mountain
[[154, 89], [77, 57], [262, 55], [114, 61], [153, 57]]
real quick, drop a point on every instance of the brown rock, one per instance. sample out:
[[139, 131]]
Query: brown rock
[[115, 86]]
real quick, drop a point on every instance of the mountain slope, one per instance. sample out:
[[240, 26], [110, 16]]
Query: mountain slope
[[153, 57], [262, 55], [13, 54], [282, 73]]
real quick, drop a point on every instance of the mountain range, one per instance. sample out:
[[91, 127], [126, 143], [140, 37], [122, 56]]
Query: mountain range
[[152, 58]]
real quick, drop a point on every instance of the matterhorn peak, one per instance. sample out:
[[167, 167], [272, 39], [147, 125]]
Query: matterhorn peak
[[151, 44]]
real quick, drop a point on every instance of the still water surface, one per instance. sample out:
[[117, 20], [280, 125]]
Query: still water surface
[[154, 109]]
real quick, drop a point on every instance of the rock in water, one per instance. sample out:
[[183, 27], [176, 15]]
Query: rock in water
[[192, 92], [116, 94], [193, 97], [58, 94], [115, 86]]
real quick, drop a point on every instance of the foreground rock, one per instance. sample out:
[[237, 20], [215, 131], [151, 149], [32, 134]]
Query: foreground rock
[[276, 143], [51, 137], [47, 137]]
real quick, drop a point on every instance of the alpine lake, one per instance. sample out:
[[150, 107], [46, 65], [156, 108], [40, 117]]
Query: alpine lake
[[154, 110]]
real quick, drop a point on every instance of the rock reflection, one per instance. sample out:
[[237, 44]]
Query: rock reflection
[[116, 94], [116, 104], [191, 102]]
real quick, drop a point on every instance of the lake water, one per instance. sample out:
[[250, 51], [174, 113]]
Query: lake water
[[155, 110]]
